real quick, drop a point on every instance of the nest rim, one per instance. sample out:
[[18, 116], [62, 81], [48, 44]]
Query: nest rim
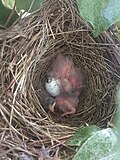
[[26, 52]]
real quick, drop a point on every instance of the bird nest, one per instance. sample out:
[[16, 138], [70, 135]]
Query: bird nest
[[27, 52]]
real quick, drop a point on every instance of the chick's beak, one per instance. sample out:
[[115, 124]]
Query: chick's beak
[[52, 107]]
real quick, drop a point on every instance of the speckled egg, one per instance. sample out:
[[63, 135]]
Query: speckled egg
[[52, 86]]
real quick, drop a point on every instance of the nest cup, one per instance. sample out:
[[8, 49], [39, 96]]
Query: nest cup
[[72, 38], [28, 50]]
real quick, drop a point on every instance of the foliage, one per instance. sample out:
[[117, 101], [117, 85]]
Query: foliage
[[5, 13], [93, 143], [101, 14], [8, 3], [28, 6], [82, 134], [7, 6]]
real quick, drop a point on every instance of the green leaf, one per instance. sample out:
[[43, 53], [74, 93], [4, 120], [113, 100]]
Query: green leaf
[[101, 14], [100, 145], [110, 157], [82, 134], [8, 3], [28, 5], [4, 14]]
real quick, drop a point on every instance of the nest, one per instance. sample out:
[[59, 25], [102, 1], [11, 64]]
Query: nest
[[27, 51]]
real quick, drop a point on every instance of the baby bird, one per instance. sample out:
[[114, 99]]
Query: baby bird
[[64, 104], [70, 77], [67, 81], [49, 104]]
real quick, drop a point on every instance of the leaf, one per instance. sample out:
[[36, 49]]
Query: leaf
[[110, 157], [82, 134], [8, 3], [98, 146], [101, 14], [28, 6], [4, 14]]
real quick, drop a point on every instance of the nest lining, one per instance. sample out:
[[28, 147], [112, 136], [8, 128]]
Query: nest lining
[[27, 51]]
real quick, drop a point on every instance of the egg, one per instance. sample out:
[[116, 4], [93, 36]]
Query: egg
[[52, 86]]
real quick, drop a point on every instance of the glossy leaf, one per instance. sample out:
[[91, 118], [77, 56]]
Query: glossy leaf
[[100, 145], [28, 6], [82, 134], [8, 3], [101, 14], [110, 157], [4, 14]]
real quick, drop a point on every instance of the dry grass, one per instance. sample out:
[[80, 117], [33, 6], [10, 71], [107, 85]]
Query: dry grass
[[27, 50]]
